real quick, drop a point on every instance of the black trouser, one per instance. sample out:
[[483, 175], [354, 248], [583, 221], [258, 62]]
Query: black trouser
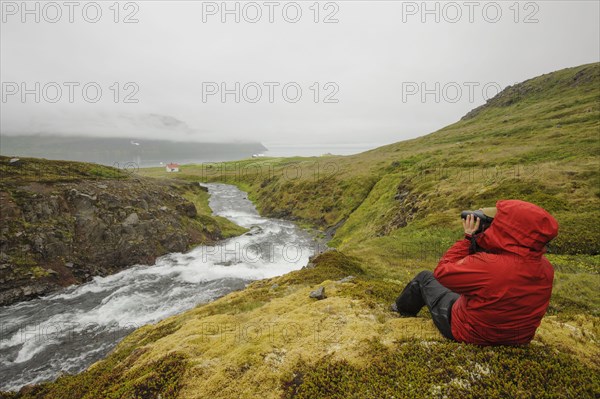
[[423, 290]]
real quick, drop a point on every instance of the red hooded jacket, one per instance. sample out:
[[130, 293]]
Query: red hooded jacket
[[505, 291]]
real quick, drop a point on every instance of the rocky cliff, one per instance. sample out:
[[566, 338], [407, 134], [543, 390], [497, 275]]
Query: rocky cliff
[[63, 223]]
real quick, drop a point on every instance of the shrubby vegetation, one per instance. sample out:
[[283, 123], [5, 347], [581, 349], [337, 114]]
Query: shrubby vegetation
[[414, 369]]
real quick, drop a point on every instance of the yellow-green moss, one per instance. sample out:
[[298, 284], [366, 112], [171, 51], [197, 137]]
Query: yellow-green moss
[[121, 375], [417, 369], [373, 292], [117, 381], [329, 265]]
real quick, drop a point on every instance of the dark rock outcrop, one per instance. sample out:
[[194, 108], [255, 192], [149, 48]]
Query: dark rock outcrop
[[53, 234]]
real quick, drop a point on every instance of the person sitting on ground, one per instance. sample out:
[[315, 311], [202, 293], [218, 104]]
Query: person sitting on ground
[[493, 287]]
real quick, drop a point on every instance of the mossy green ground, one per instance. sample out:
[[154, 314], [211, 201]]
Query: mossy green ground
[[537, 141], [207, 221], [38, 170]]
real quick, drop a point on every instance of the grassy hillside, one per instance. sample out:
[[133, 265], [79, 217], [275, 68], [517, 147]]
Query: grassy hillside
[[392, 212], [537, 141]]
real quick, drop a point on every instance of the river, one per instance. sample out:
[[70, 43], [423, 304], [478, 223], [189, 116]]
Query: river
[[67, 331]]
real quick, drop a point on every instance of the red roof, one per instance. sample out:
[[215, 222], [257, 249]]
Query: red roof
[[172, 165]]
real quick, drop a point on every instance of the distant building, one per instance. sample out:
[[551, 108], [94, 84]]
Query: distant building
[[257, 155], [172, 167]]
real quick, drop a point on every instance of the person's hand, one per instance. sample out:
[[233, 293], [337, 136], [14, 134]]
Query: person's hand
[[470, 224]]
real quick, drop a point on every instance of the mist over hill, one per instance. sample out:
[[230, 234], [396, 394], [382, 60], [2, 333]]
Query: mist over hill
[[108, 151]]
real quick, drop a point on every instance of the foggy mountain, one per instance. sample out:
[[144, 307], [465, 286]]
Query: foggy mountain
[[108, 151]]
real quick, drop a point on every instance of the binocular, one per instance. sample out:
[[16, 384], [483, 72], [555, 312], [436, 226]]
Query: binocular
[[485, 221]]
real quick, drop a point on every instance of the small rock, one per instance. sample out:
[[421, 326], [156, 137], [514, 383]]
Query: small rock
[[102, 186], [51, 272], [38, 242], [143, 204], [131, 220], [310, 265], [254, 230], [274, 286], [318, 294], [347, 279], [226, 263], [75, 193], [163, 208], [187, 209], [69, 264]]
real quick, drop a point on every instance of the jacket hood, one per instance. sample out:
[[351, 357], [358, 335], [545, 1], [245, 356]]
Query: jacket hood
[[519, 227]]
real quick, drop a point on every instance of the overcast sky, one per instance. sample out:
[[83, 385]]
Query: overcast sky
[[366, 71]]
